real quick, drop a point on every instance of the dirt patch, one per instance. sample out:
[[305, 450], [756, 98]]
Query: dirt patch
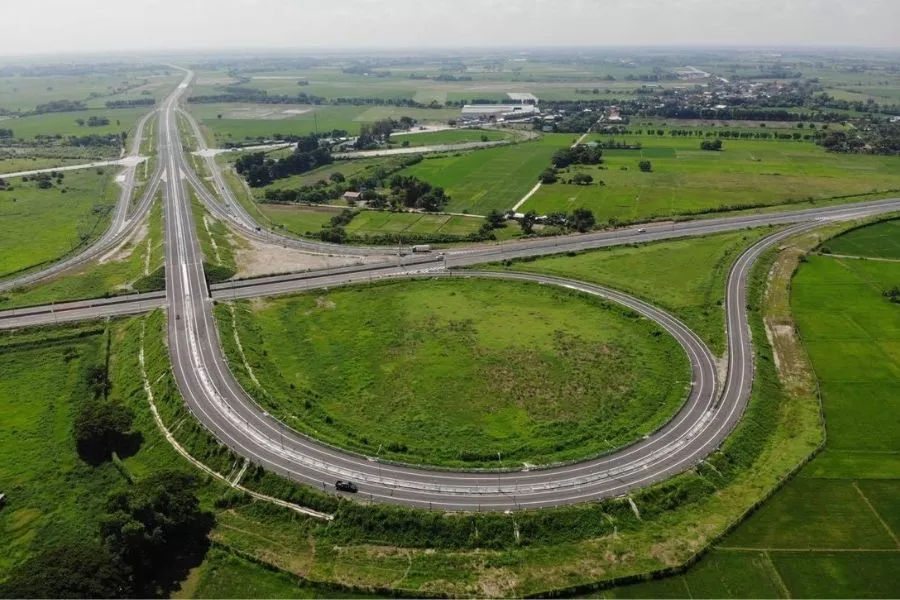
[[790, 358], [259, 258], [322, 302], [126, 248]]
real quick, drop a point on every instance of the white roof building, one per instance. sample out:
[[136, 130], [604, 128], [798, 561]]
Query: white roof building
[[522, 97], [498, 110]]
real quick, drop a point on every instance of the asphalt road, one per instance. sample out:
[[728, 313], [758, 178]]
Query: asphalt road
[[218, 401], [124, 220]]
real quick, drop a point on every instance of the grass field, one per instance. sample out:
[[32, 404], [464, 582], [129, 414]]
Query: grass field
[[52, 495], [128, 268], [226, 575], [369, 222], [833, 530], [63, 123], [241, 122], [492, 178], [686, 276], [687, 180], [33, 163], [40, 226], [875, 241], [21, 93], [436, 367], [452, 136]]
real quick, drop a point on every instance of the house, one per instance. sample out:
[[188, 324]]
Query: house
[[352, 196]]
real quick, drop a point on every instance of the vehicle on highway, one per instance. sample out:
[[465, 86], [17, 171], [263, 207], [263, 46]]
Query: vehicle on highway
[[345, 486], [642, 230], [421, 248]]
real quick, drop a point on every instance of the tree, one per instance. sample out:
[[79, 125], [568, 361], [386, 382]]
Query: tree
[[582, 179], [157, 531], [80, 122], [496, 219], [548, 175], [69, 570], [645, 166], [528, 221], [337, 177], [582, 220], [712, 145], [102, 428]]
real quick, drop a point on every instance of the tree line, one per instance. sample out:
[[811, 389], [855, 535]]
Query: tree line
[[260, 171]]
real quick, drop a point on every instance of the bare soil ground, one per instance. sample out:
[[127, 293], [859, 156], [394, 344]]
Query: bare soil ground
[[254, 259]]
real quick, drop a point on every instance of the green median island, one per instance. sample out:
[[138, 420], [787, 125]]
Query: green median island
[[465, 373]]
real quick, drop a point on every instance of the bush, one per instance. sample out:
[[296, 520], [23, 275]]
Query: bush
[[645, 166]]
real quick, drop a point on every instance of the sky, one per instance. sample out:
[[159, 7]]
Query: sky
[[92, 26]]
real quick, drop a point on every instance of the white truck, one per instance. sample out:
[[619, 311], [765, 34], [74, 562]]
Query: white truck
[[421, 248]]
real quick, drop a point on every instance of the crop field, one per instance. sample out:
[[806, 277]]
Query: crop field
[[370, 222], [875, 241], [64, 124], [686, 276], [136, 265], [17, 164], [38, 226], [299, 220], [241, 122], [687, 180], [451, 136], [23, 93], [156, 87], [492, 178], [833, 530], [406, 348], [549, 81]]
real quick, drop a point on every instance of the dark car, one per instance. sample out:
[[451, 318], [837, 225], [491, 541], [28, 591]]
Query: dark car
[[345, 486]]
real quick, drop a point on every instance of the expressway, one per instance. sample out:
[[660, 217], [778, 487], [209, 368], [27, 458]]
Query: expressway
[[124, 220], [216, 399]]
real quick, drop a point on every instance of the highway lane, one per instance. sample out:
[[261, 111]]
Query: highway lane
[[124, 219], [221, 405], [230, 210]]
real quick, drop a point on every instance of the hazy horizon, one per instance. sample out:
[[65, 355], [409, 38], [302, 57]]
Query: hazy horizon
[[89, 27]]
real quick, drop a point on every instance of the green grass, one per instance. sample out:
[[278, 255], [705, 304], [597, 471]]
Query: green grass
[[299, 220], [114, 273], [52, 495], [721, 574], [33, 163], [875, 241], [41, 226], [243, 122], [369, 222], [25, 93], [686, 276], [459, 370], [839, 305], [848, 497], [814, 514], [686, 180], [226, 575], [454, 136], [63, 123], [840, 575], [498, 178], [49, 490]]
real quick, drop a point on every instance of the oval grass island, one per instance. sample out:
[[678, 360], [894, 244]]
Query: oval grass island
[[463, 373]]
